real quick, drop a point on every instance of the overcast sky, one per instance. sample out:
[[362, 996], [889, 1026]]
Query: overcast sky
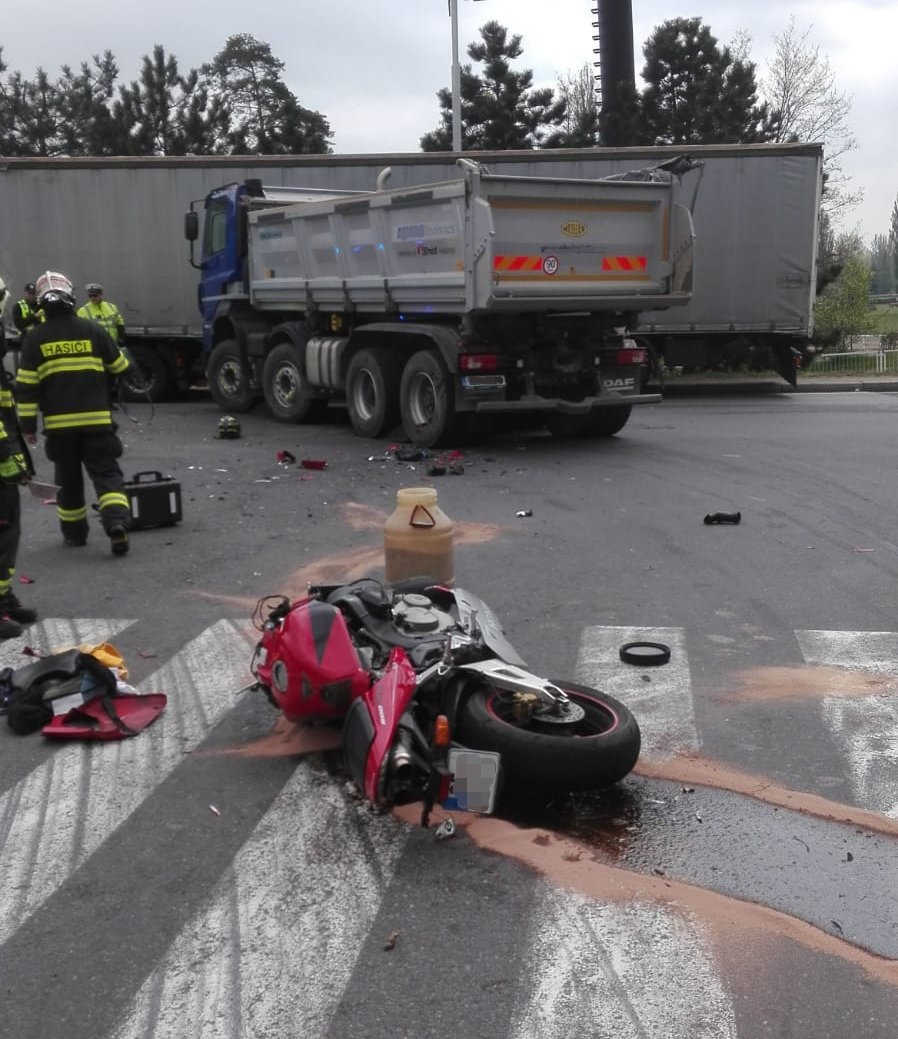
[[373, 67]]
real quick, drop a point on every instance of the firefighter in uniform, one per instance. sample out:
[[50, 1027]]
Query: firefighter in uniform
[[27, 311], [15, 469], [63, 371]]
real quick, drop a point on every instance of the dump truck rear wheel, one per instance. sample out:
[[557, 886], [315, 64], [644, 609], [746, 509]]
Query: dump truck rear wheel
[[602, 422], [228, 382], [286, 387], [151, 379], [426, 400], [372, 392]]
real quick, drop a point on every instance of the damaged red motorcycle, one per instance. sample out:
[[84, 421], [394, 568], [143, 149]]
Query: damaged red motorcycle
[[436, 704]]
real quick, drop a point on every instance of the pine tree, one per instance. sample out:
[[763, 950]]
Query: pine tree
[[697, 92], [500, 109], [266, 118]]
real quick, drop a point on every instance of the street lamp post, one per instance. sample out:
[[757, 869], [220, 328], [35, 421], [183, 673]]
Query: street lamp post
[[456, 78]]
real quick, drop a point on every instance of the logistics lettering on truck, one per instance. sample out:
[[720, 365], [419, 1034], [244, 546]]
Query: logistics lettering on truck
[[445, 306]]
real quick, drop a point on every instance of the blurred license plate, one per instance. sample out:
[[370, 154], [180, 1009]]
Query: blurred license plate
[[475, 781]]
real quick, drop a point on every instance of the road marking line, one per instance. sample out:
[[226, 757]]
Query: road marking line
[[59, 814], [634, 971], [274, 949], [866, 726], [663, 706], [58, 633]]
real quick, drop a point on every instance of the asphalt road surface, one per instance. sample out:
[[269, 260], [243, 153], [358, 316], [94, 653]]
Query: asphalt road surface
[[217, 877]]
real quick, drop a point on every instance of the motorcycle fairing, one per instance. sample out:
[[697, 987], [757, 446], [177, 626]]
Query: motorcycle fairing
[[386, 701], [474, 613], [311, 665]]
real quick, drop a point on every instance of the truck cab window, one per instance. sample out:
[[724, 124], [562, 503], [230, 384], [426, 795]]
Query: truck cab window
[[215, 234]]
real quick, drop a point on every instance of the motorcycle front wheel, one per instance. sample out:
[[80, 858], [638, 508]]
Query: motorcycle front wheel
[[598, 747]]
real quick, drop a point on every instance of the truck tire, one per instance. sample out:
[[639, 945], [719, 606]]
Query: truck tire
[[228, 382], [151, 380], [372, 392], [427, 400], [602, 422], [287, 392]]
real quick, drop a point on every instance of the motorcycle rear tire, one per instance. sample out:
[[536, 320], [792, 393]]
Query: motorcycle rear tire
[[596, 753]]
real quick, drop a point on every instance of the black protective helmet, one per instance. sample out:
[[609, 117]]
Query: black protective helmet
[[228, 428], [30, 287]]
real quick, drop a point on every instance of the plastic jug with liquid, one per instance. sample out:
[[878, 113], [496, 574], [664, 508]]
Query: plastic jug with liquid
[[418, 538]]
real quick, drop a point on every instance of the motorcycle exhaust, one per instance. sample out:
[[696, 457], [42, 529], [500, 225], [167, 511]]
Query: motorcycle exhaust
[[401, 757]]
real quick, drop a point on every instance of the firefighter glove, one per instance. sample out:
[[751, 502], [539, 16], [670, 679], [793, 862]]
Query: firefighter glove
[[14, 469]]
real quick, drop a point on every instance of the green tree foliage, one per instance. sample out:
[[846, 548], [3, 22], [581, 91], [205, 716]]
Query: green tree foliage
[[696, 92], [87, 125], [882, 264], [842, 310], [238, 104], [265, 117], [500, 108], [893, 237], [165, 113]]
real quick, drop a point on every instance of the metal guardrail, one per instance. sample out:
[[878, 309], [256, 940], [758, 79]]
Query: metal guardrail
[[869, 362]]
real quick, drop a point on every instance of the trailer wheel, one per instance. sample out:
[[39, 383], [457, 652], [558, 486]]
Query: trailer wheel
[[228, 382], [601, 422], [149, 380], [426, 400], [372, 392], [288, 394]]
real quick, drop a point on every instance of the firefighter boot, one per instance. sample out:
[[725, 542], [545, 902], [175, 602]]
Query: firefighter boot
[[9, 629], [118, 540], [12, 608]]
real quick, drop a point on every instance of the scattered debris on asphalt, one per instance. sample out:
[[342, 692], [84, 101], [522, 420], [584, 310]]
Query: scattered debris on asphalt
[[313, 463], [286, 457], [524, 513], [723, 517], [390, 943], [445, 830]]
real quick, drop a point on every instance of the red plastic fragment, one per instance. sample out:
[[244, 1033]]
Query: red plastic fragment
[[313, 463]]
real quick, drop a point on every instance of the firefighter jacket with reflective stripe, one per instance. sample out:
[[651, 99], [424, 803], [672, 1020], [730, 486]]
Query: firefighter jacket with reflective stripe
[[12, 461], [107, 315], [64, 371], [25, 314]]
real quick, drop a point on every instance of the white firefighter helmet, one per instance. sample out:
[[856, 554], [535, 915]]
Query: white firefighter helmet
[[53, 287]]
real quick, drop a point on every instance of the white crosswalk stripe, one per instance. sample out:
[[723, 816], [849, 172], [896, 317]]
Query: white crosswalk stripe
[[303, 891], [307, 883], [866, 727], [660, 697], [633, 971], [54, 818]]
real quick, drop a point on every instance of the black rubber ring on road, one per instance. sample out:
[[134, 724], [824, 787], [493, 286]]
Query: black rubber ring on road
[[648, 654]]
